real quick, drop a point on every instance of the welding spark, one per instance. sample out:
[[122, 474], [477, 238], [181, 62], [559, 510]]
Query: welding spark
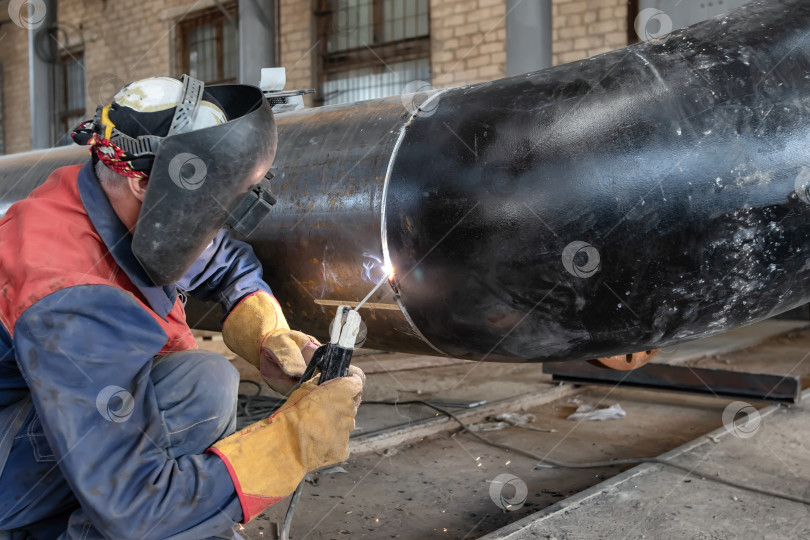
[[371, 266]]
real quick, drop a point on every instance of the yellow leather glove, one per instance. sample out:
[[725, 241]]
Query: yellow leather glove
[[268, 459], [257, 331]]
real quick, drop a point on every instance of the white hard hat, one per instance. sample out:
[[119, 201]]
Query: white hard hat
[[163, 93]]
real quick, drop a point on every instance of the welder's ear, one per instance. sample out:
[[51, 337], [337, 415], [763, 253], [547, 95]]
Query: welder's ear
[[138, 187]]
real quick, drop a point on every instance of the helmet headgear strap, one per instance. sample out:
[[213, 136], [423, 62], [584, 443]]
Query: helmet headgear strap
[[183, 120], [186, 111]]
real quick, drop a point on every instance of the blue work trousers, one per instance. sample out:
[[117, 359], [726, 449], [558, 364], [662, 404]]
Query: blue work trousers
[[196, 392]]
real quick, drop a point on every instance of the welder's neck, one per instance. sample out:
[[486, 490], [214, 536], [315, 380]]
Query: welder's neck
[[126, 197], [125, 204]]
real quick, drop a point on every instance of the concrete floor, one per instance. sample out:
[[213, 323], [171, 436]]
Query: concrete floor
[[440, 486], [656, 501]]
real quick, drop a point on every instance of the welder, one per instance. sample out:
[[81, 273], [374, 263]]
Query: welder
[[112, 423]]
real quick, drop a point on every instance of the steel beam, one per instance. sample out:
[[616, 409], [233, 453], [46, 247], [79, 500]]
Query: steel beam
[[528, 36]]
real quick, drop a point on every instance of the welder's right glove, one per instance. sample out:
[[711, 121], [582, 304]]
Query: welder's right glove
[[268, 459]]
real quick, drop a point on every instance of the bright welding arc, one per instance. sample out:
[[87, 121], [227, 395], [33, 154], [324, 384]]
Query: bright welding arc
[[389, 275]]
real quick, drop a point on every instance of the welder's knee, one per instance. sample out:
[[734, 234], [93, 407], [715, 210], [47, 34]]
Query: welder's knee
[[196, 392]]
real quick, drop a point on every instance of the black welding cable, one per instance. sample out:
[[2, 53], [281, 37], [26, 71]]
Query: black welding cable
[[255, 407], [284, 534], [251, 408], [594, 464]]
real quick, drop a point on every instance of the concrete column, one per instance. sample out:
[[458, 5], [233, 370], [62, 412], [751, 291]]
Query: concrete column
[[41, 74], [528, 36], [257, 38]]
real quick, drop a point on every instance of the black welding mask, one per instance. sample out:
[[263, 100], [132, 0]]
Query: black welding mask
[[199, 179]]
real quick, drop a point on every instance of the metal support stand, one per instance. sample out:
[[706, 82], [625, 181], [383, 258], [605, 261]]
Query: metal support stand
[[713, 382]]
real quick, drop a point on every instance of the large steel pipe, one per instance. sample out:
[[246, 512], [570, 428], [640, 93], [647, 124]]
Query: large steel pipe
[[645, 197]]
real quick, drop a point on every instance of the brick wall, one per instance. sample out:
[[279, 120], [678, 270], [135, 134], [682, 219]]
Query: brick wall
[[584, 28], [468, 44], [467, 41], [116, 54], [298, 44], [468, 37]]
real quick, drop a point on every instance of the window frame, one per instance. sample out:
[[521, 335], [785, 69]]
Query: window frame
[[62, 113], [376, 56], [2, 112], [201, 18]]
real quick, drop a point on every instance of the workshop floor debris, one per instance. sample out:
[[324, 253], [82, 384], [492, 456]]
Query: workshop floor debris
[[657, 501]]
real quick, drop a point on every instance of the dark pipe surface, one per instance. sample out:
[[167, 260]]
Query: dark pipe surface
[[641, 198], [677, 161]]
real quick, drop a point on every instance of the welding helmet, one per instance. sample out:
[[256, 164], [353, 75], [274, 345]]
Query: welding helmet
[[205, 151]]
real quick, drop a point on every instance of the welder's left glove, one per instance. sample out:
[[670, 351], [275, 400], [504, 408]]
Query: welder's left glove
[[266, 460], [257, 331]]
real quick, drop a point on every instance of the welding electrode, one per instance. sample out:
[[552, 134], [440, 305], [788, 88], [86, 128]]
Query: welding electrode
[[333, 360]]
